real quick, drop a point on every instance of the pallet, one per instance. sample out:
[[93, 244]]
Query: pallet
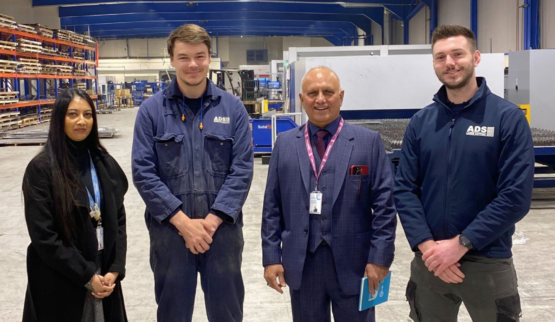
[[7, 19], [30, 46], [25, 50], [8, 43], [4, 16], [7, 26], [28, 60], [5, 95], [28, 29], [29, 42], [8, 102]]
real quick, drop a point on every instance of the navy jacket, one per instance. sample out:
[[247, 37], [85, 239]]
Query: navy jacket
[[177, 165], [363, 225], [471, 174]]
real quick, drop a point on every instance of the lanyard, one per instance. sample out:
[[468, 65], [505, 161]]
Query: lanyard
[[94, 203], [201, 108], [328, 149]]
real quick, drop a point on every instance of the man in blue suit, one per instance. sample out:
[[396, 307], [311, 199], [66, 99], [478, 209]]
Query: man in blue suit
[[328, 217]]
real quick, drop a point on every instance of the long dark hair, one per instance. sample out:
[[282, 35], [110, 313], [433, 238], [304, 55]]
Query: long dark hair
[[65, 175]]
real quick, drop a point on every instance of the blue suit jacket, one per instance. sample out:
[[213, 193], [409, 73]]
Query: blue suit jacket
[[363, 228]]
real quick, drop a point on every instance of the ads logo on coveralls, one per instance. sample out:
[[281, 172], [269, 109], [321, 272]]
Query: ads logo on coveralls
[[221, 119], [481, 131]]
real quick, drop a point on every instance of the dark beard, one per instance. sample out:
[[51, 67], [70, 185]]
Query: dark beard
[[466, 80]]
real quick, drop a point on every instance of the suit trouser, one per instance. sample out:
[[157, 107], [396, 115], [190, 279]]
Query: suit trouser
[[319, 287], [488, 291], [175, 271]]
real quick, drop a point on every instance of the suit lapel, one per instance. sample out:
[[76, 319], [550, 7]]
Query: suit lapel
[[304, 161], [341, 154]]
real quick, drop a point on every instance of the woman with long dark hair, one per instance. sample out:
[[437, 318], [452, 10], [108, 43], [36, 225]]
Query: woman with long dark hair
[[73, 191]]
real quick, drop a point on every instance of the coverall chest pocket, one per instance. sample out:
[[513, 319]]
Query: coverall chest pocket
[[168, 149], [218, 151]]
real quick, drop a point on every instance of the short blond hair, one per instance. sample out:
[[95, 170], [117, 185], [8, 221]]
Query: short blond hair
[[190, 33]]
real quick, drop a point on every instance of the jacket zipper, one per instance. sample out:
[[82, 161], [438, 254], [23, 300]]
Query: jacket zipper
[[446, 214]]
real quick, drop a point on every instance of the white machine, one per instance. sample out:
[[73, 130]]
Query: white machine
[[383, 78]]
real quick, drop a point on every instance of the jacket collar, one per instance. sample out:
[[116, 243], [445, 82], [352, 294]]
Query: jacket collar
[[483, 91], [210, 94]]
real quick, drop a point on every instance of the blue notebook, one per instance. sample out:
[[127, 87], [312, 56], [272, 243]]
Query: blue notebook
[[366, 300]]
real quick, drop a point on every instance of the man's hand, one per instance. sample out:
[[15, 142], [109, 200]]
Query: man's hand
[[211, 223], [273, 274], [443, 255], [452, 274], [375, 274], [426, 245], [196, 237]]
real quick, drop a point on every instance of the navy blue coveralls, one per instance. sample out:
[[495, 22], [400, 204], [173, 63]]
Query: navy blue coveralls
[[176, 165]]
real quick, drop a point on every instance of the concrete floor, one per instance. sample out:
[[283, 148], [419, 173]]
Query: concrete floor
[[534, 260]]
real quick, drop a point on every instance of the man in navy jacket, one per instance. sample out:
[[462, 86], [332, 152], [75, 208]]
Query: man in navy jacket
[[464, 179], [192, 165], [324, 249]]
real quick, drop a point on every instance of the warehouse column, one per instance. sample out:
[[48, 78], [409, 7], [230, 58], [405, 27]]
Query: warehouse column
[[361, 37], [386, 30]]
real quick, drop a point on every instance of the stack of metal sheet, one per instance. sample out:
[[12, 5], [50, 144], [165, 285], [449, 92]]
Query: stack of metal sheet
[[391, 130], [543, 137]]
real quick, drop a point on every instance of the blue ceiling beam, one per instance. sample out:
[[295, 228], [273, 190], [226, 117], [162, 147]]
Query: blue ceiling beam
[[77, 2], [414, 11], [135, 8], [223, 33], [474, 18], [358, 20], [237, 32], [212, 24]]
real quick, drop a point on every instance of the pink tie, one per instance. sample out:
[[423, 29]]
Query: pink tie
[[320, 144]]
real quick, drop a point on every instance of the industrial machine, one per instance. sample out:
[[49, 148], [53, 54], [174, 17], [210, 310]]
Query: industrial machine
[[392, 83]]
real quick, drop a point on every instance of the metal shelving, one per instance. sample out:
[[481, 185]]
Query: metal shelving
[[63, 64]]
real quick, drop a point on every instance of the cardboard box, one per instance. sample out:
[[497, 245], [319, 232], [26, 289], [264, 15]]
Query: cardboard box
[[118, 92]]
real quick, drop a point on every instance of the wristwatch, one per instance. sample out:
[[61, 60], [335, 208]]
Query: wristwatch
[[465, 242]]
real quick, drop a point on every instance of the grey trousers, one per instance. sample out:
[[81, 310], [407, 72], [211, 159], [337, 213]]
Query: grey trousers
[[489, 292]]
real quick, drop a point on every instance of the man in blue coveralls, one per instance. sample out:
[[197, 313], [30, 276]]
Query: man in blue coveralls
[[192, 165]]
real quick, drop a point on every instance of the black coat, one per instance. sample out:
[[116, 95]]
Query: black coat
[[57, 273]]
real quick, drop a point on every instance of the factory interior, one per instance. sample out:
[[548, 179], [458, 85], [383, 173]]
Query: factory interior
[[380, 51]]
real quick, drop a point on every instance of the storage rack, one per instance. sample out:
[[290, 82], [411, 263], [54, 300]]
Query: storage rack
[[36, 66]]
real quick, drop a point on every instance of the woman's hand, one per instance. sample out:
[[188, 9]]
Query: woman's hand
[[101, 290], [110, 278]]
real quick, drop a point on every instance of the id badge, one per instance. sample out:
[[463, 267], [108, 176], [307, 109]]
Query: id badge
[[315, 207], [100, 237]]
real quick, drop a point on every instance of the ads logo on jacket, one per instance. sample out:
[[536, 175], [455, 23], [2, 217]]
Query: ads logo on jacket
[[221, 119], [481, 131]]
